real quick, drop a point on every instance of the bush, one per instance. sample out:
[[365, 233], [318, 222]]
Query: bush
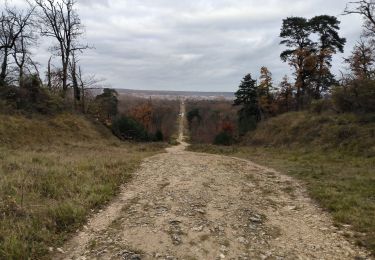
[[127, 128], [224, 138], [319, 106], [246, 124], [193, 114], [159, 136], [31, 97], [357, 96], [104, 107]]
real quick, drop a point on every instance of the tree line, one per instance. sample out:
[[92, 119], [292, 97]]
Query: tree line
[[310, 47]]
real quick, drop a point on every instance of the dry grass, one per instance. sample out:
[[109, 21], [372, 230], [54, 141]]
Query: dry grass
[[53, 173], [342, 184], [348, 133]]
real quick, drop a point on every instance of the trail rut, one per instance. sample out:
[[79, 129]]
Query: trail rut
[[185, 205]]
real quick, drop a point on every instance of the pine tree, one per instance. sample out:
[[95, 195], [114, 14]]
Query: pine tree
[[295, 34], [247, 98], [329, 43]]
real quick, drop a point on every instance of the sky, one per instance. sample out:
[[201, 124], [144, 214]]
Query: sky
[[194, 45]]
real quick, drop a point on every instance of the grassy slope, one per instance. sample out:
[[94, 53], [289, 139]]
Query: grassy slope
[[332, 154], [53, 172]]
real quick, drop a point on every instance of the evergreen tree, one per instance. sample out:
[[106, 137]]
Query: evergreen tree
[[295, 33], [247, 98], [105, 105], [311, 45], [326, 27]]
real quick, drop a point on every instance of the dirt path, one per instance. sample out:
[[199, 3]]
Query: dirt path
[[184, 205]]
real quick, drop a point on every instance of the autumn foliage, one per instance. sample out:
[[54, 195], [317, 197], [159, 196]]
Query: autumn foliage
[[158, 117], [209, 118]]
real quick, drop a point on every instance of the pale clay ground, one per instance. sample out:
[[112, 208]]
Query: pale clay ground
[[185, 205]]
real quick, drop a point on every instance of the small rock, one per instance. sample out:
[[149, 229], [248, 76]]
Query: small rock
[[85, 227], [255, 220], [60, 250], [242, 240], [223, 249], [222, 256], [128, 255], [50, 249], [200, 211], [198, 229]]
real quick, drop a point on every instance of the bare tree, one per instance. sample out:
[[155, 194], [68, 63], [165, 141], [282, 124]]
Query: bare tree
[[13, 24], [22, 55], [365, 8], [87, 84], [60, 21]]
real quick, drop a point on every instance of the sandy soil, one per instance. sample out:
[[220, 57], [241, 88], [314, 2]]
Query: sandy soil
[[184, 205]]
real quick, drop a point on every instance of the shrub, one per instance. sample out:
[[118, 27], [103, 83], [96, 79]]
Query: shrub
[[127, 128], [67, 216], [319, 106], [357, 96], [104, 107], [224, 138], [193, 114], [31, 97], [159, 136]]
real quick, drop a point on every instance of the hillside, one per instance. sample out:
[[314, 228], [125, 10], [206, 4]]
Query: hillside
[[55, 171], [349, 133], [17, 131]]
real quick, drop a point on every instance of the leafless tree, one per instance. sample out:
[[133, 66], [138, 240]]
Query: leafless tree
[[13, 26], [22, 55], [365, 8], [87, 84], [60, 21]]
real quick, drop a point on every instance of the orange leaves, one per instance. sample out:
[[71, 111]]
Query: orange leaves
[[143, 114], [227, 127]]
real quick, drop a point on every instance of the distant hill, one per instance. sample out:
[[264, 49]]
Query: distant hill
[[177, 94]]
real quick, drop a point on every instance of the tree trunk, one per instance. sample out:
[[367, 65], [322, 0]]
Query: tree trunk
[[4, 65], [76, 89], [65, 64], [49, 74]]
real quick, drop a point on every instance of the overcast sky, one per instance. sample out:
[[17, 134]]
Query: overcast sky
[[204, 45]]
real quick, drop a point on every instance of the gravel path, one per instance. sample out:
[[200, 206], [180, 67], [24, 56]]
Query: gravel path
[[184, 205]]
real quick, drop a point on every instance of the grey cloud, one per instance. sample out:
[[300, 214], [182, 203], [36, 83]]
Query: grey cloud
[[202, 45]]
